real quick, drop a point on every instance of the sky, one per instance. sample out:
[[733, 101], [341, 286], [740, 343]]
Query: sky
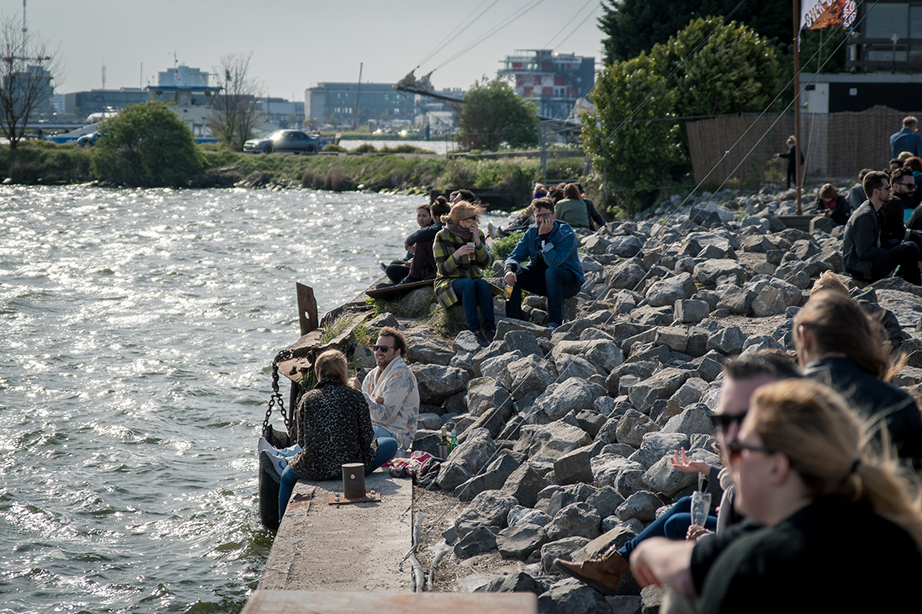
[[296, 44]]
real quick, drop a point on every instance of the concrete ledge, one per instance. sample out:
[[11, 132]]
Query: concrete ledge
[[303, 602], [355, 547]]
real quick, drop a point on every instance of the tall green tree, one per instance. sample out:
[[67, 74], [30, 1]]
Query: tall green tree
[[493, 114], [708, 68], [146, 145], [630, 142], [632, 26], [719, 68]]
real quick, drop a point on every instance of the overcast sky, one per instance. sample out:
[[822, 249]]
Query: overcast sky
[[298, 43]]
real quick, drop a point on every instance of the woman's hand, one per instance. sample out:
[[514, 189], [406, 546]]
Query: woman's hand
[[510, 278], [464, 250], [694, 532], [681, 463], [409, 248], [476, 230]]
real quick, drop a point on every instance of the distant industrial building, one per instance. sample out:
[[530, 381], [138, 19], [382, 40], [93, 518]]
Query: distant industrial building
[[281, 113], [553, 80], [335, 103], [80, 105], [34, 79], [442, 116], [183, 75]]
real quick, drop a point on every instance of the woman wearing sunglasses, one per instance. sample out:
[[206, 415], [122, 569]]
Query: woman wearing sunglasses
[[832, 516], [461, 256], [333, 428]]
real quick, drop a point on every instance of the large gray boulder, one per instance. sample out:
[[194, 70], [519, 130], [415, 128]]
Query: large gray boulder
[[436, 383]]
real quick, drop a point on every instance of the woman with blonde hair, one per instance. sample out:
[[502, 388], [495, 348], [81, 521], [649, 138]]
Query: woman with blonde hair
[[461, 256], [333, 428], [799, 469], [838, 345]]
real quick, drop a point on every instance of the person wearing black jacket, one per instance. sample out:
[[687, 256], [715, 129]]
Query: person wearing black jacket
[[831, 204], [790, 156]]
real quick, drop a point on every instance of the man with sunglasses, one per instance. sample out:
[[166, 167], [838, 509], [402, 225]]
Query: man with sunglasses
[[742, 376], [391, 390], [867, 258], [553, 268]]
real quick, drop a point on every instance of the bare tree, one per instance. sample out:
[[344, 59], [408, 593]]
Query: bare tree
[[236, 109], [27, 69]]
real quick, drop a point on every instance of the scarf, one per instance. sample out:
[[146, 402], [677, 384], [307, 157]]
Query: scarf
[[460, 231], [379, 382]]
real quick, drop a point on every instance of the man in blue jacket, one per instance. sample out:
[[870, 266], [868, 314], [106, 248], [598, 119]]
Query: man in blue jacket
[[553, 268]]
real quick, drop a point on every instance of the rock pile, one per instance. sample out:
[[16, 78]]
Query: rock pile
[[565, 437]]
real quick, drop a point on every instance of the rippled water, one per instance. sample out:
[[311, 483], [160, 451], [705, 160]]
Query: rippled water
[[137, 331]]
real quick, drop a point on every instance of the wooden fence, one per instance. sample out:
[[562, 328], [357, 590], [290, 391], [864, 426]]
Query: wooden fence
[[739, 148]]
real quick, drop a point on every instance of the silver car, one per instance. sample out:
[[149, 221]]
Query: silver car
[[294, 141]]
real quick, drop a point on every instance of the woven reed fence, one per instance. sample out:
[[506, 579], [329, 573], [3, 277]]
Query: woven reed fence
[[738, 148]]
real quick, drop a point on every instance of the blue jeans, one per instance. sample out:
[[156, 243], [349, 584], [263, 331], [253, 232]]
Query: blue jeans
[[475, 293], [673, 525], [387, 449], [555, 283]]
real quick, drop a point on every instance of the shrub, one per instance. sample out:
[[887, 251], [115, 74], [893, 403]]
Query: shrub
[[146, 145], [503, 247]]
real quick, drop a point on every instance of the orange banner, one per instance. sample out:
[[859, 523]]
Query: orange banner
[[817, 14]]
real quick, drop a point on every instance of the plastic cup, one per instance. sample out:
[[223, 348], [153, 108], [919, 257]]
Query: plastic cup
[[700, 506]]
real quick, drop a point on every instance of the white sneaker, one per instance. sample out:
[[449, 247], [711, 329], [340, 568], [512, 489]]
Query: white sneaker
[[272, 455]]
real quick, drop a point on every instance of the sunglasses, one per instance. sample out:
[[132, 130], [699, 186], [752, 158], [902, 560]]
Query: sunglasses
[[735, 449], [381, 348], [725, 421]]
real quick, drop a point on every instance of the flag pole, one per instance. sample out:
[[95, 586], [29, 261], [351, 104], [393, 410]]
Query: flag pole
[[798, 145]]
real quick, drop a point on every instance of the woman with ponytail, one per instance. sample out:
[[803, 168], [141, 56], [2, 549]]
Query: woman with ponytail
[[841, 531]]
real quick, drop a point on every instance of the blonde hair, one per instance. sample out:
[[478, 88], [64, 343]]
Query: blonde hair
[[904, 155], [792, 140], [461, 211], [829, 281], [331, 363], [823, 439], [840, 326]]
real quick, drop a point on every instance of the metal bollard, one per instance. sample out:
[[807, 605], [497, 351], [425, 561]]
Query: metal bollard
[[354, 480]]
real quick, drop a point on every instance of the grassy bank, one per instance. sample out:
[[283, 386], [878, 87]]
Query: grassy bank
[[50, 163]]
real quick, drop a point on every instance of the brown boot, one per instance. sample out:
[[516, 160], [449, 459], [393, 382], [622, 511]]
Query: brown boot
[[602, 572]]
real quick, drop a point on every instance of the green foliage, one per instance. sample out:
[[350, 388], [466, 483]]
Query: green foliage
[[493, 114], [626, 150], [633, 26], [503, 247], [333, 148], [820, 50], [719, 68], [365, 148], [44, 162], [146, 145], [708, 68]]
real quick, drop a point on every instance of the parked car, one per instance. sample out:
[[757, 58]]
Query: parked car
[[88, 140], [294, 141]]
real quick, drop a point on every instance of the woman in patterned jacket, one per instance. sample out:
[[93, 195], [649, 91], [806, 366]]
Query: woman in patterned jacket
[[461, 254], [333, 428]]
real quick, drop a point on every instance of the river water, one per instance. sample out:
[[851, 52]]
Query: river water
[[137, 331]]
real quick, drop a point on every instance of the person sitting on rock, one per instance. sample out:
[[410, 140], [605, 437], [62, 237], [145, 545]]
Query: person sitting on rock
[[572, 209], [800, 469], [553, 267], [856, 195], [397, 270], [838, 345], [333, 428], [423, 266], [830, 204], [895, 336], [865, 258], [391, 390], [896, 211], [461, 256], [742, 377]]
